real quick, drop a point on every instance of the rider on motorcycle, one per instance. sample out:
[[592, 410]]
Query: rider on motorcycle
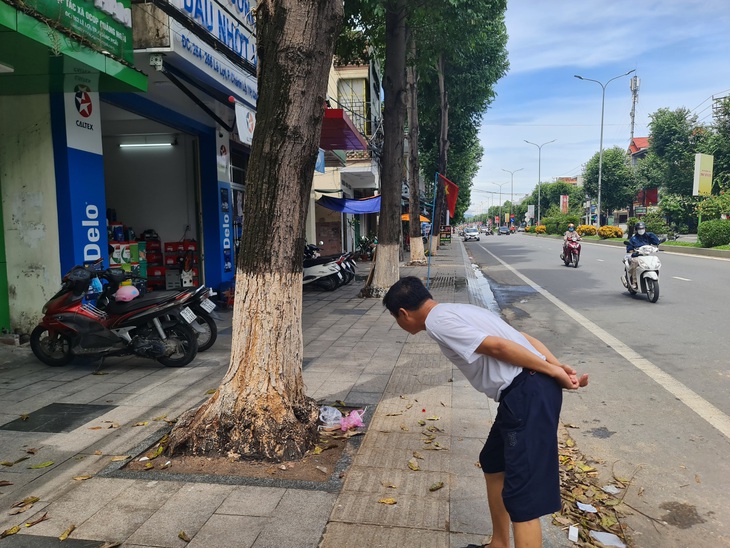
[[570, 234], [640, 238]]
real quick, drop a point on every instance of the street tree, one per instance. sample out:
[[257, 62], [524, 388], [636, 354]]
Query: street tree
[[260, 410], [618, 184]]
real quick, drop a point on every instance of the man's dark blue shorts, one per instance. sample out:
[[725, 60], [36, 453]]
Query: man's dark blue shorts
[[523, 444]]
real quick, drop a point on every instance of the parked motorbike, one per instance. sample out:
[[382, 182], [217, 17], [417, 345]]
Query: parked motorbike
[[323, 272], [571, 253], [645, 277], [156, 325]]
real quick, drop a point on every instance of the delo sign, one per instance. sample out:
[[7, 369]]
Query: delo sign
[[92, 249]]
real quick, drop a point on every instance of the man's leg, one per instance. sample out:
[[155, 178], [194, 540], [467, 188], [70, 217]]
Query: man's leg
[[528, 534], [500, 517]]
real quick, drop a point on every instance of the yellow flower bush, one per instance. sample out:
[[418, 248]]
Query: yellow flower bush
[[528, 229], [586, 230], [540, 229], [606, 232]]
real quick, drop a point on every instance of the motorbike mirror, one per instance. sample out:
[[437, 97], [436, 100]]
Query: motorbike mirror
[[321, 243], [662, 239]]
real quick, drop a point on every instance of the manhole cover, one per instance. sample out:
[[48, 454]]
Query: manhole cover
[[57, 417]]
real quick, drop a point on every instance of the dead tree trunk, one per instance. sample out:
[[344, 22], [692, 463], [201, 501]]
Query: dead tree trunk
[[386, 265], [418, 257], [260, 410]]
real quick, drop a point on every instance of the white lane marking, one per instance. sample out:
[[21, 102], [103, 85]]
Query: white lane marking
[[714, 416], [683, 279], [600, 260]]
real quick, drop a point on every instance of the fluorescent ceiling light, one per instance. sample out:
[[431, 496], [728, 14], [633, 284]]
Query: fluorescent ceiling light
[[6, 69], [144, 145]]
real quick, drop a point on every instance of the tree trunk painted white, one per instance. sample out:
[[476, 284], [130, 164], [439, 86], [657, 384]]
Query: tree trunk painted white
[[260, 410], [387, 264]]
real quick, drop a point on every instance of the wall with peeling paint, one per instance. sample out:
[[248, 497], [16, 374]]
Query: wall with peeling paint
[[28, 188]]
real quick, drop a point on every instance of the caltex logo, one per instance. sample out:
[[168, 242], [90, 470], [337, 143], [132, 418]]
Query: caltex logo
[[83, 100]]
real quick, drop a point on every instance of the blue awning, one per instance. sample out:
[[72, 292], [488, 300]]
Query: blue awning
[[366, 205]]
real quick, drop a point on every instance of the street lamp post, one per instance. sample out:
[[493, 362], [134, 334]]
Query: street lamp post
[[600, 149], [512, 191], [501, 209], [539, 179]]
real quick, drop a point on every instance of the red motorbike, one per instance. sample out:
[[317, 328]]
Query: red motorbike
[[571, 252], [155, 326]]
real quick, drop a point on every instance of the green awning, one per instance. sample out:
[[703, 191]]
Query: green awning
[[35, 59]]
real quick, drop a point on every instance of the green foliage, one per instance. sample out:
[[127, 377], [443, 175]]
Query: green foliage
[[714, 233], [712, 207], [608, 231], [631, 223], [618, 181], [655, 223], [558, 223], [679, 209]]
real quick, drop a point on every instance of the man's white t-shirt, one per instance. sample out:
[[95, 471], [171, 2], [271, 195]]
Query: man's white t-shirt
[[459, 329]]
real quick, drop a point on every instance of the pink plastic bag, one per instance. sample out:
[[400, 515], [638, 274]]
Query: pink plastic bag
[[352, 420]]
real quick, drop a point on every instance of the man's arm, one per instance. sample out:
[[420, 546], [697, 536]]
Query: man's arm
[[516, 354]]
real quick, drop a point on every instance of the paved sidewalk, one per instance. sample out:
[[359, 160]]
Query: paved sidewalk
[[354, 352]]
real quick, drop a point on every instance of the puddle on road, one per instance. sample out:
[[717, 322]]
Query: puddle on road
[[496, 297], [601, 432]]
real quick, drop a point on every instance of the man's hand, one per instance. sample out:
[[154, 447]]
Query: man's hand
[[568, 378]]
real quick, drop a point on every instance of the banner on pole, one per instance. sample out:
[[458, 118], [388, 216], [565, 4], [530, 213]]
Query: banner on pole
[[452, 192]]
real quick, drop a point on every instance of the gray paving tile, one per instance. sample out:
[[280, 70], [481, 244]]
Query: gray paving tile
[[353, 535], [187, 510], [251, 500], [226, 531]]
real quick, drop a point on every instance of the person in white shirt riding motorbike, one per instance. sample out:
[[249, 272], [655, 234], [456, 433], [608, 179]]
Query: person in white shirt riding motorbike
[[570, 234]]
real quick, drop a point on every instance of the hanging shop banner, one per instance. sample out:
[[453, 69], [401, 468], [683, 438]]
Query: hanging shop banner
[[703, 175], [245, 122], [530, 212], [231, 22], [355, 207], [80, 185], [107, 24]]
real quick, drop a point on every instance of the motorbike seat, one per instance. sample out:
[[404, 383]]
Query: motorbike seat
[[317, 261], [156, 297]]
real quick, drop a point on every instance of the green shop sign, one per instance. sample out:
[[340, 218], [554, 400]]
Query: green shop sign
[[106, 24]]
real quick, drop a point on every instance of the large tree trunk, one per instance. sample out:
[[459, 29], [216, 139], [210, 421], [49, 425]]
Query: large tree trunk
[[260, 410], [418, 257], [440, 215], [386, 265]]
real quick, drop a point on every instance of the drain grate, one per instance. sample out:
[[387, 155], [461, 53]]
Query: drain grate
[[442, 282], [57, 417]]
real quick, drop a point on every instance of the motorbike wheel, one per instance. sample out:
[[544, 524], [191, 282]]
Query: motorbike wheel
[[652, 290], [53, 349], [327, 283], [575, 260], [187, 348], [207, 338], [566, 259]]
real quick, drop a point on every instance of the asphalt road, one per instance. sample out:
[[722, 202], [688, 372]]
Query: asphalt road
[[657, 408]]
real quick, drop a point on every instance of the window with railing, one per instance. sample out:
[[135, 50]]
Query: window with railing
[[352, 97]]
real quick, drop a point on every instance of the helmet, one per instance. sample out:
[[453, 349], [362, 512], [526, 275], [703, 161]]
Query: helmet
[[571, 227], [640, 226], [126, 293]]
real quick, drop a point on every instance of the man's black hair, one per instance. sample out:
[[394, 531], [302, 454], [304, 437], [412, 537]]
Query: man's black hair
[[408, 293]]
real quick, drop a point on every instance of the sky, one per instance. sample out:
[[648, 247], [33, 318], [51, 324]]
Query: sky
[[680, 50]]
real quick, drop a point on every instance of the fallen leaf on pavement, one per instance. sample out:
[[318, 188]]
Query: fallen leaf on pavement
[[145, 423], [82, 478], [94, 427], [24, 417], [20, 509], [413, 465], [100, 373], [67, 532], [9, 532], [166, 465], [120, 458], [6, 463], [44, 517], [149, 466], [417, 455], [181, 535], [433, 418], [211, 391], [388, 501], [42, 465], [31, 451], [21, 459], [436, 486], [3, 483], [97, 452], [26, 500]]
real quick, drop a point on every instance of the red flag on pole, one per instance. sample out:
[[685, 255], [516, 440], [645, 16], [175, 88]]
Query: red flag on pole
[[452, 192]]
